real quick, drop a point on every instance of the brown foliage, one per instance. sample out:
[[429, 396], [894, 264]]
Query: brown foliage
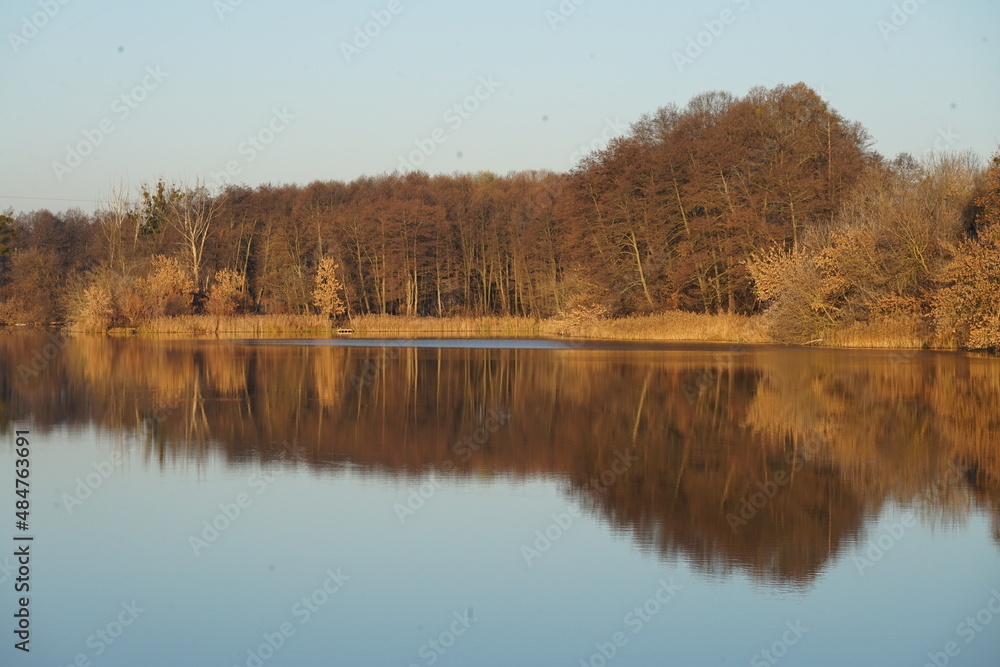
[[966, 309], [879, 263], [97, 312], [326, 294], [227, 296], [169, 288]]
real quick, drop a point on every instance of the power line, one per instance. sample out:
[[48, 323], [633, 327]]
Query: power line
[[89, 201]]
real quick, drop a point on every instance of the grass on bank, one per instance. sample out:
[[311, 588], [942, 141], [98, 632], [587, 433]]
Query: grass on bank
[[893, 333], [207, 325], [675, 326], [670, 326]]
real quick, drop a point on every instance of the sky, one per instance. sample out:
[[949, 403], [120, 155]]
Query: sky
[[104, 93]]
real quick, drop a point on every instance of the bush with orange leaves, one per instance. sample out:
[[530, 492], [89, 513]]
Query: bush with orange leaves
[[967, 307], [326, 294], [800, 291], [96, 309], [228, 295], [169, 288], [881, 259], [109, 299]]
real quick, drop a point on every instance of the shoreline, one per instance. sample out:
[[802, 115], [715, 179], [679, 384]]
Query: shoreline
[[672, 326]]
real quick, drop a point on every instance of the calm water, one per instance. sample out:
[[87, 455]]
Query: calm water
[[502, 503]]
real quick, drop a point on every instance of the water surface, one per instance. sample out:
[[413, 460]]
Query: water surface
[[444, 502]]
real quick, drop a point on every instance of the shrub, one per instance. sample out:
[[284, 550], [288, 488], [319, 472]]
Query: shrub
[[228, 295], [97, 311], [967, 308], [326, 295], [170, 288]]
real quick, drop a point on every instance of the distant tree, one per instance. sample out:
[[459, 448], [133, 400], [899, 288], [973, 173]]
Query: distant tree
[[154, 209], [192, 216], [966, 310], [799, 294], [96, 311], [7, 233], [326, 295], [228, 294], [988, 203], [169, 288], [8, 236]]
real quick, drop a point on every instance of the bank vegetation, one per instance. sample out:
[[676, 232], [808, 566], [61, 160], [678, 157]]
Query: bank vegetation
[[767, 217]]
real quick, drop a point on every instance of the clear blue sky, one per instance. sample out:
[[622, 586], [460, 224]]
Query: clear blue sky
[[222, 75]]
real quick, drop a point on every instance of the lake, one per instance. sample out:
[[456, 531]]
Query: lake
[[493, 502]]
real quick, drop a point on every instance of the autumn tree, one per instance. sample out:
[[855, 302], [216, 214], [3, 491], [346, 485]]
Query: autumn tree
[[673, 210], [880, 259], [326, 294], [96, 310], [966, 310], [799, 293], [227, 295], [168, 288]]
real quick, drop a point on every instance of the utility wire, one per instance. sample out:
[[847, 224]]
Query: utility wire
[[89, 201]]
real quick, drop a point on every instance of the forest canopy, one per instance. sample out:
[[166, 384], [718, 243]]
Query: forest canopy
[[769, 204]]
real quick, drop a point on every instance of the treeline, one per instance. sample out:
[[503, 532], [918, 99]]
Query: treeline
[[771, 203]]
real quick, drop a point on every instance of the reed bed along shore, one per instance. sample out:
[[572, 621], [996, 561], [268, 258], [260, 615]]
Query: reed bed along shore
[[895, 334], [674, 326], [210, 325], [383, 326]]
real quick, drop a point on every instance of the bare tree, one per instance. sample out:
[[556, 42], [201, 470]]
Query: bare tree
[[114, 218], [192, 215]]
